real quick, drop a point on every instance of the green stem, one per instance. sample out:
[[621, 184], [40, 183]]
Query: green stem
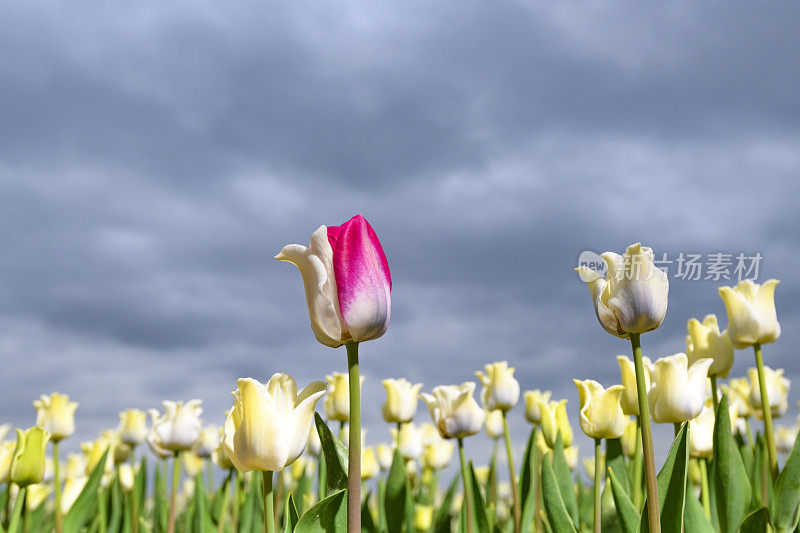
[[19, 505], [467, 485], [638, 467], [321, 476], [278, 497], [237, 496], [704, 488], [354, 453], [538, 475], [597, 477], [269, 509], [57, 487], [749, 432], [210, 476], [768, 431], [134, 495], [432, 486], [102, 511], [512, 476], [226, 484], [173, 496], [714, 396], [653, 515]]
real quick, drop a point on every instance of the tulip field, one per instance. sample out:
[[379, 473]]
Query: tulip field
[[290, 457]]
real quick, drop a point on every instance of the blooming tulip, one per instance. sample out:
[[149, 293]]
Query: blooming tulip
[[532, 399], [56, 414], [601, 414], [369, 463], [785, 438], [178, 428], [409, 441], [6, 454], [268, 427], [385, 456], [701, 434], [678, 392], [752, 318], [347, 282], [629, 438], [500, 389], [210, 438], [36, 495], [777, 391], [27, 463], [337, 402], [630, 398], [555, 421], [132, 427], [126, 477], [632, 298], [705, 340], [494, 424], [454, 410], [437, 454], [401, 400]]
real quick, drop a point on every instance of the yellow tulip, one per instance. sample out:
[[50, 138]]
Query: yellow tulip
[[27, 463], [408, 441], [629, 438], [454, 410], [401, 400], [268, 427], [437, 454], [385, 455], [56, 414], [494, 424], [678, 392], [705, 340], [93, 452], [193, 464], [630, 396], [600, 411], [6, 454], [126, 477], [532, 399], [777, 392], [117, 449], [337, 402], [177, 429], [555, 421], [423, 517], [75, 466], [72, 489], [132, 427], [369, 463], [500, 389], [701, 434], [752, 318], [36, 495]]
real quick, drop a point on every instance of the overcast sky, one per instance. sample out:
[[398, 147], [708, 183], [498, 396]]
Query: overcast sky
[[155, 156]]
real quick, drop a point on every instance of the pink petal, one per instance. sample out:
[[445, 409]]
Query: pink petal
[[363, 280]]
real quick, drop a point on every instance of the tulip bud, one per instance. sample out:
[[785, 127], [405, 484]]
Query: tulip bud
[[752, 318], [555, 421], [777, 392], [132, 427], [126, 477], [337, 402], [629, 438], [36, 495], [178, 428], [701, 434], [268, 427], [600, 411], [423, 517], [454, 410], [27, 463], [785, 438], [632, 298], [678, 392], [500, 389], [705, 341], [408, 441], [347, 282], [494, 424], [385, 455], [56, 414], [210, 438], [532, 399], [369, 463], [630, 396], [401, 400]]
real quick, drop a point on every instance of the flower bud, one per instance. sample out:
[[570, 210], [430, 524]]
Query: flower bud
[[56, 414], [555, 421], [126, 477], [532, 399], [385, 456], [701, 434], [408, 441], [500, 389], [369, 463], [401, 400], [454, 410], [600, 411], [678, 392], [752, 318], [423, 516], [178, 428], [629, 438], [27, 463], [210, 439]]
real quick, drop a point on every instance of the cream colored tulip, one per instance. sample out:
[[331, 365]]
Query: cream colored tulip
[[337, 402], [600, 411], [678, 392], [752, 318], [785, 438], [56, 414], [268, 427], [28, 461], [571, 457], [385, 456], [210, 438], [777, 392], [402, 398], [438, 454], [6, 454], [126, 477], [408, 441], [630, 397], [177, 429], [532, 399], [119, 451], [72, 489], [738, 391], [423, 517], [75, 466], [132, 427], [36, 495], [706, 341], [454, 410], [555, 420], [219, 456], [629, 438], [632, 298], [494, 424], [193, 464], [93, 452], [500, 388], [314, 446], [701, 434], [369, 463]]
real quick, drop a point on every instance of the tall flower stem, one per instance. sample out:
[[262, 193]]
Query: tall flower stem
[[226, 488], [354, 453], [512, 476], [768, 431], [537, 481], [638, 466], [714, 393], [173, 495], [237, 496], [57, 487], [653, 515], [467, 485], [704, 495], [597, 477], [269, 510], [19, 505], [134, 495]]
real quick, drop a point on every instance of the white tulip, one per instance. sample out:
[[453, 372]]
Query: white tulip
[[500, 389], [454, 410], [177, 429], [678, 392], [752, 318]]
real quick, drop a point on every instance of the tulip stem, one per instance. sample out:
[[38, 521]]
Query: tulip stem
[[511, 476], [19, 504], [354, 452], [538, 480], [269, 509], [237, 496], [714, 393], [226, 488], [467, 485], [57, 487], [765, 409], [173, 496], [653, 515], [597, 477], [637, 467], [321, 477], [134, 495], [704, 488]]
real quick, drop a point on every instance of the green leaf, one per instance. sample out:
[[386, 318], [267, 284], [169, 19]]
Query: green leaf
[[395, 496], [564, 479], [327, 515], [140, 487], [367, 521], [527, 483], [627, 513], [85, 506], [160, 507], [478, 503], [695, 519], [250, 508], [335, 457], [786, 499], [290, 517], [557, 514], [671, 482], [116, 505], [615, 461], [756, 522], [443, 518], [202, 522], [731, 485]]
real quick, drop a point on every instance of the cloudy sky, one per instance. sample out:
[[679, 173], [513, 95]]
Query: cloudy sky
[[155, 156]]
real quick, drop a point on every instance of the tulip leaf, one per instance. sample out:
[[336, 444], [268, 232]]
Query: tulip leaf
[[85, 506], [290, 517], [615, 461], [784, 505], [140, 487], [116, 505], [756, 522], [627, 513], [202, 519], [671, 483], [395, 496], [564, 479], [527, 483], [367, 521], [695, 519], [478, 502], [328, 515], [335, 457], [731, 485], [250, 507], [558, 517], [443, 517]]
